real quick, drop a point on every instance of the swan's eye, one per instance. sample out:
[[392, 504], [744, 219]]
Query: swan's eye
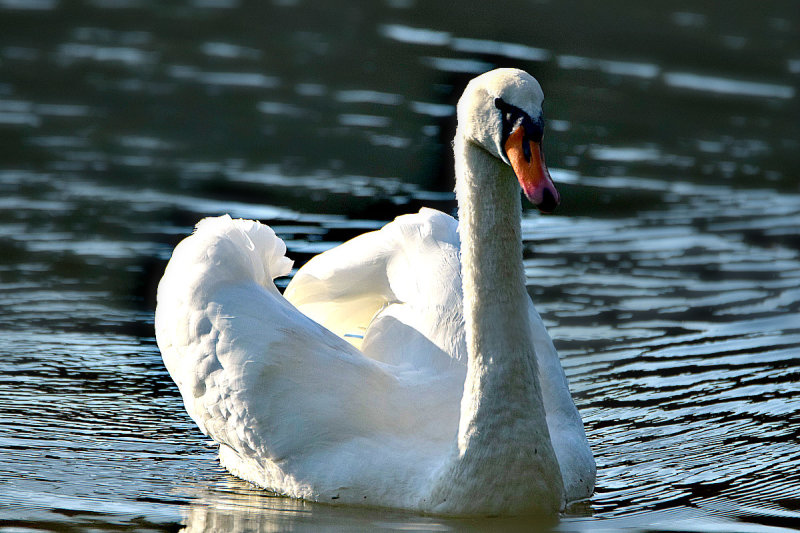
[[513, 118]]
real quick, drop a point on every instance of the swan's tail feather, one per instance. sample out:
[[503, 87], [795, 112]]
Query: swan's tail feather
[[220, 253], [243, 243]]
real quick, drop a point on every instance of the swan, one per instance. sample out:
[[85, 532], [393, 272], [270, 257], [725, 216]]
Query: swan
[[405, 368]]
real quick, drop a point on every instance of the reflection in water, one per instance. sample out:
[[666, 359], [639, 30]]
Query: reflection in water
[[669, 278], [233, 505]]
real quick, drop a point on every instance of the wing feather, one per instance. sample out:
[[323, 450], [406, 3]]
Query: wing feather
[[256, 374]]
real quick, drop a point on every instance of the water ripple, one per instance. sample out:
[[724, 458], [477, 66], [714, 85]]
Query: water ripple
[[698, 82], [669, 278]]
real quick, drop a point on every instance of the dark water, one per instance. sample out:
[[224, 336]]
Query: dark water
[[669, 278]]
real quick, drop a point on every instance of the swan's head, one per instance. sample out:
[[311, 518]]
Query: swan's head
[[501, 111]]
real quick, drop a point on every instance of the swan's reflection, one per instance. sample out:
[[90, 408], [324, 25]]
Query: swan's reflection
[[236, 506]]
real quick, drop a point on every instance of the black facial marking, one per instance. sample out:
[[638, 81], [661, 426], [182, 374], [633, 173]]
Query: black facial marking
[[513, 117]]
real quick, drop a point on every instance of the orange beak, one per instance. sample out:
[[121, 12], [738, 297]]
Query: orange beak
[[534, 178]]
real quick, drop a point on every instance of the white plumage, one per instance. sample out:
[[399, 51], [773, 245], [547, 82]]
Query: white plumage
[[453, 402]]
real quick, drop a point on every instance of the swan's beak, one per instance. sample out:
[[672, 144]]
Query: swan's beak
[[527, 160]]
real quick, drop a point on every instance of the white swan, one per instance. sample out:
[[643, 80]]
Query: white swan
[[455, 403]]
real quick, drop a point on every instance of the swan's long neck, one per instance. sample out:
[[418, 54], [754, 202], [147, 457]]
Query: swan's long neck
[[502, 430]]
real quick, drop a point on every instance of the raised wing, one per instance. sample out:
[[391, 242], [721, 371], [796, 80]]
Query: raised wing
[[274, 388], [395, 293]]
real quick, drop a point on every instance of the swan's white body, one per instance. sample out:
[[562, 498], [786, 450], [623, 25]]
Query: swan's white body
[[455, 403]]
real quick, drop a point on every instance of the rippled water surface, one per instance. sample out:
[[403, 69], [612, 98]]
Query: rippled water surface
[[669, 278]]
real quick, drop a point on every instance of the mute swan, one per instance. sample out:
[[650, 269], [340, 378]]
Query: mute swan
[[454, 402]]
